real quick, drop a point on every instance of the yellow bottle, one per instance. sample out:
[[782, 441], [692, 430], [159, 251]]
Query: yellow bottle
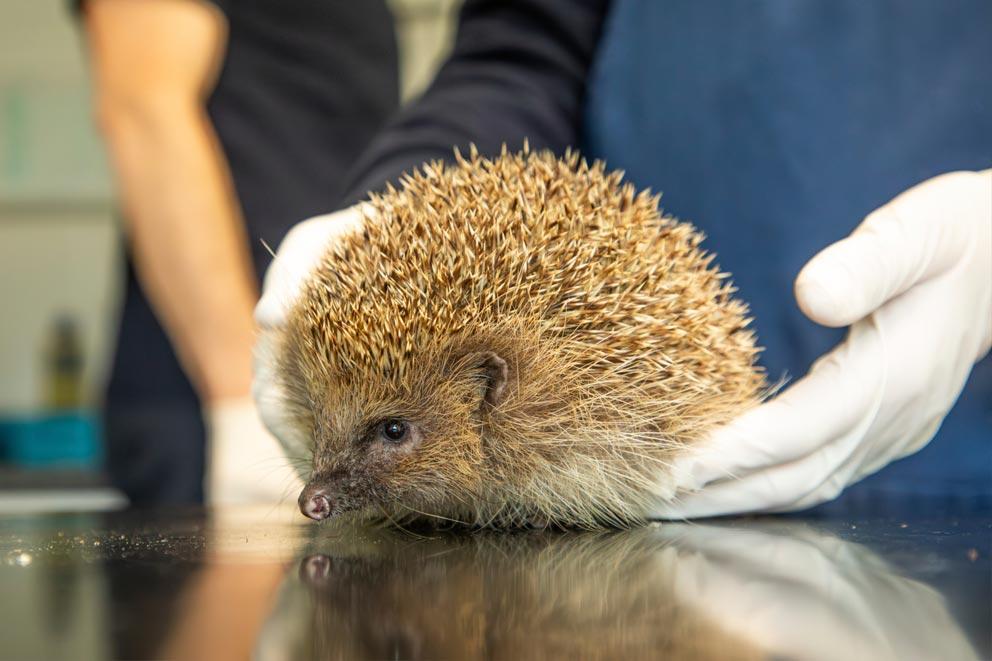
[[64, 366]]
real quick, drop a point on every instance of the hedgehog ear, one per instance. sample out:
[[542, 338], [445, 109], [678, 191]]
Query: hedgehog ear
[[495, 371]]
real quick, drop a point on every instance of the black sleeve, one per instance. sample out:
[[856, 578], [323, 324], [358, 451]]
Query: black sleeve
[[518, 70]]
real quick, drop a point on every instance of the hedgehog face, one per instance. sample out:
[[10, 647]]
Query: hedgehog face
[[403, 446]]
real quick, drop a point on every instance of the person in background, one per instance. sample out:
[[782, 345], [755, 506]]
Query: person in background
[[225, 122], [779, 129]]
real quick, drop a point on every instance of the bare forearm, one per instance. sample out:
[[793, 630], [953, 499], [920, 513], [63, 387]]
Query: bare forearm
[[187, 236]]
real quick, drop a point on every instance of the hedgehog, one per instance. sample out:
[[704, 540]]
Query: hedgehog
[[516, 341]]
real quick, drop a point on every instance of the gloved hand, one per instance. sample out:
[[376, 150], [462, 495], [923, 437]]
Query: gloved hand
[[915, 280], [804, 594], [298, 255], [245, 464]]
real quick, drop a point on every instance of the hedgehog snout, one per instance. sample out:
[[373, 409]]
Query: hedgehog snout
[[316, 502]]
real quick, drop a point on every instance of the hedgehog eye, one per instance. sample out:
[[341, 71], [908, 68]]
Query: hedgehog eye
[[394, 431]]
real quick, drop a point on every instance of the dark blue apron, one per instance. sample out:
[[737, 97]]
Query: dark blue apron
[[776, 127]]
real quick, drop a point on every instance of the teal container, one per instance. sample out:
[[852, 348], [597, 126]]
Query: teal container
[[68, 439]]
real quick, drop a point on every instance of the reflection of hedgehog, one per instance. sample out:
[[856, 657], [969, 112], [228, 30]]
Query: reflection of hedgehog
[[511, 341], [527, 596]]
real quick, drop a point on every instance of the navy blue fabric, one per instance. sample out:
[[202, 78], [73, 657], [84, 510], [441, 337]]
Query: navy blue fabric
[[777, 126]]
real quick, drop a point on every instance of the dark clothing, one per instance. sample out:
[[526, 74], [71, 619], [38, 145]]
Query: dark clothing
[[304, 87], [775, 127], [153, 430], [518, 70]]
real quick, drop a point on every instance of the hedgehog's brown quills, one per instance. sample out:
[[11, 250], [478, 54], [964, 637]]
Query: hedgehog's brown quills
[[512, 341]]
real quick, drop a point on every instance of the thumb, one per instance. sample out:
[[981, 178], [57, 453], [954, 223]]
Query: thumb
[[913, 237]]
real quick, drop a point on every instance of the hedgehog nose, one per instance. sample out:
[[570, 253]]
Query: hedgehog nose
[[315, 502]]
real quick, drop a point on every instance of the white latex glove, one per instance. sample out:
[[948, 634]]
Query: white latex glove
[[298, 255], [915, 280], [245, 464], [803, 594]]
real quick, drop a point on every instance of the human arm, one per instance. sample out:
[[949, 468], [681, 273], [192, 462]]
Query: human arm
[[154, 64], [914, 281]]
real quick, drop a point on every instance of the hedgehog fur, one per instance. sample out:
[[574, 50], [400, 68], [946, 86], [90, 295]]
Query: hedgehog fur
[[523, 340]]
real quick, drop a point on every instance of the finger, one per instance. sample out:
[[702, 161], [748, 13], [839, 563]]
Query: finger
[[808, 481], [836, 397], [910, 239]]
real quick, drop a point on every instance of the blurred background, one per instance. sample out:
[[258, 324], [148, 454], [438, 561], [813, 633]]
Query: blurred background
[[61, 258]]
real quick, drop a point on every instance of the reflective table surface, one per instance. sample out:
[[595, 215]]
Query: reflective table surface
[[265, 583]]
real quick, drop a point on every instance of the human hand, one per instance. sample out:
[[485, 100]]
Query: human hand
[[915, 280], [297, 257], [245, 464]]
